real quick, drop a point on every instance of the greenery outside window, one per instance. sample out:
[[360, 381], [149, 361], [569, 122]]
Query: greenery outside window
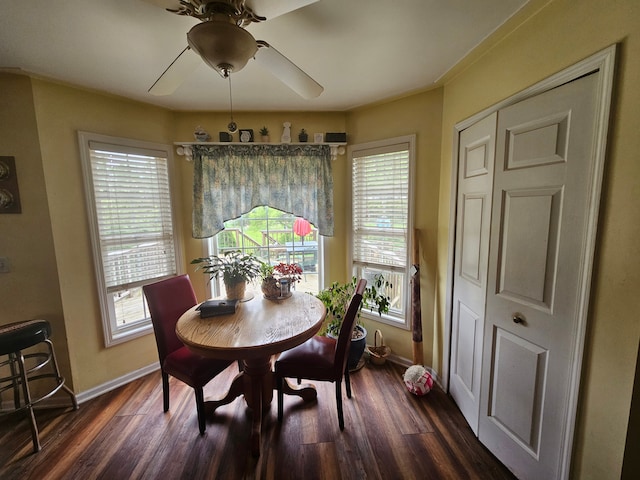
[[381, 218], [133, 232], [270, 235]]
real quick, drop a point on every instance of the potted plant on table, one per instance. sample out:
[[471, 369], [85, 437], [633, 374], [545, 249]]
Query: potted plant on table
[[278, 279], [336, 299], [303, 136], [235, 268]]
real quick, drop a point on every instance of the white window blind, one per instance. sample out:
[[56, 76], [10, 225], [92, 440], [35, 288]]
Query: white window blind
[[133, 212], [380, 199]]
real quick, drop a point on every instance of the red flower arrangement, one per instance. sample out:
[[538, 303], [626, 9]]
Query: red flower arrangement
[[292, 271]]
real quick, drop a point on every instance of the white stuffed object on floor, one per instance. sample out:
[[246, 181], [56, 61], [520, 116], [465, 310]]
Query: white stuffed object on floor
[[418, 380]]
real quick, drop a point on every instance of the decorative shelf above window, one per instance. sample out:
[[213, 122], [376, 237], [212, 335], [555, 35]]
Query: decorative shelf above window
[[185, 148]]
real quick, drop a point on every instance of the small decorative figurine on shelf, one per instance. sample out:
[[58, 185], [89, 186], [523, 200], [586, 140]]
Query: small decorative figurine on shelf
[[201, 134], [286, 134]]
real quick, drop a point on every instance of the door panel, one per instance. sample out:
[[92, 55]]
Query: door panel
[[536, 256], [539, 142], [529, 238], [466, 345], [477, 156], [471, 235], [473, 222], [517, 394]]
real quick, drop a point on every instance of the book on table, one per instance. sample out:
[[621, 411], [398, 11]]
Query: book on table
[[212, 308]]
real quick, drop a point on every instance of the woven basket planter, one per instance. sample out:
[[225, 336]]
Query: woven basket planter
[[378, 353]]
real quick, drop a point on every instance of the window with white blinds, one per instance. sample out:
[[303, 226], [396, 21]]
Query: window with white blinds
[[133, 210], [381, 216], [128, 188]]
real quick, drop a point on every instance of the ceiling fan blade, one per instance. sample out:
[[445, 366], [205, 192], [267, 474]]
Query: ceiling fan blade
[[286, 71], [274, 8], [176, 73]]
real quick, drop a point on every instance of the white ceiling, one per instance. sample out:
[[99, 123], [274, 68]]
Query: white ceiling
[[360, 51]]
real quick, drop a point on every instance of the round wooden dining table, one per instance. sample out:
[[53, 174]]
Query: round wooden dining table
[[259, 329]]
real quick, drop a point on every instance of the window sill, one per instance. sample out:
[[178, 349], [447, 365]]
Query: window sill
[[124, 335], [385, 319]]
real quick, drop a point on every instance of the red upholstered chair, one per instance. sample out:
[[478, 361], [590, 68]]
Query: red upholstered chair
[[167, 301], [322, 358]]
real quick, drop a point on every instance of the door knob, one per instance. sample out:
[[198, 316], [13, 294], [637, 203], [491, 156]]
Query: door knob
[[518, 319]]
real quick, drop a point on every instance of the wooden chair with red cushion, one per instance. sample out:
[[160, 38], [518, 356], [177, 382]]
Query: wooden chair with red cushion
[[168, 300], [322, 358]]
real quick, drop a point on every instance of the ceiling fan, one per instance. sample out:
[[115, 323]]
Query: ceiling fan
[[223, 43]]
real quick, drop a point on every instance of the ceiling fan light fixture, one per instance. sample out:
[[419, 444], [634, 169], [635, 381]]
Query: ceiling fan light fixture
[[221, 41], [222, 44]]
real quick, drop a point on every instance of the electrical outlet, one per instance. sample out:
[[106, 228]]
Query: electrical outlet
[[4, 265]]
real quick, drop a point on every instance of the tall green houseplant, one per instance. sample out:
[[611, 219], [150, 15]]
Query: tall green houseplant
[[235, 268], [337, 297]]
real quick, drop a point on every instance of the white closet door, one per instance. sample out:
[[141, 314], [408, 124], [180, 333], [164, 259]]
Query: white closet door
[[473, 222], [541, 207]]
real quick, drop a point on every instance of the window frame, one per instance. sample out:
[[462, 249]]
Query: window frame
[[113, 333], [406, 142]]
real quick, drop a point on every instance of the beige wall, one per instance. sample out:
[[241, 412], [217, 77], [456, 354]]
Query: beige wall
[[31, 289], [39, 115], [561, 34], [51, 236], [60, 112], [419, 114]]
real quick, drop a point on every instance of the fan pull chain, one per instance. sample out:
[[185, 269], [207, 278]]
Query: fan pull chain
[[232, 127]]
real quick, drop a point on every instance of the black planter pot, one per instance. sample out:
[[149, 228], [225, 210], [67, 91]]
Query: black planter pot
[[357, 349]]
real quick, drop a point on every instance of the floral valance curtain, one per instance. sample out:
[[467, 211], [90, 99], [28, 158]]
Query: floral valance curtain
[[229, 180]]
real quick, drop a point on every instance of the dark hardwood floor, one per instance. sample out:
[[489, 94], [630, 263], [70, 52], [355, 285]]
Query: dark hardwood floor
[[389, 434]]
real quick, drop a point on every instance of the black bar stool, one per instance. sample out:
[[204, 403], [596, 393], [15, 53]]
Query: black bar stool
[[18, 336]]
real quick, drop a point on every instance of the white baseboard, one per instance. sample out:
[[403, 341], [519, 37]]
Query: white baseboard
[[61, 399], [116, 382]]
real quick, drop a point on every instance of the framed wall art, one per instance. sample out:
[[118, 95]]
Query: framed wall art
[[9, 193], [246, 136]]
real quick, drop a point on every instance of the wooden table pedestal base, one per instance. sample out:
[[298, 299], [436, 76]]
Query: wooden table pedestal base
[[257, 382]]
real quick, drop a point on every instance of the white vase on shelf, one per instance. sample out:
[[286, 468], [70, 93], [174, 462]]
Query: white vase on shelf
[[286, 133]]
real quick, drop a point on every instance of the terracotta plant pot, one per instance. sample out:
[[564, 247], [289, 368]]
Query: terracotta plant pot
[[235, 291]]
